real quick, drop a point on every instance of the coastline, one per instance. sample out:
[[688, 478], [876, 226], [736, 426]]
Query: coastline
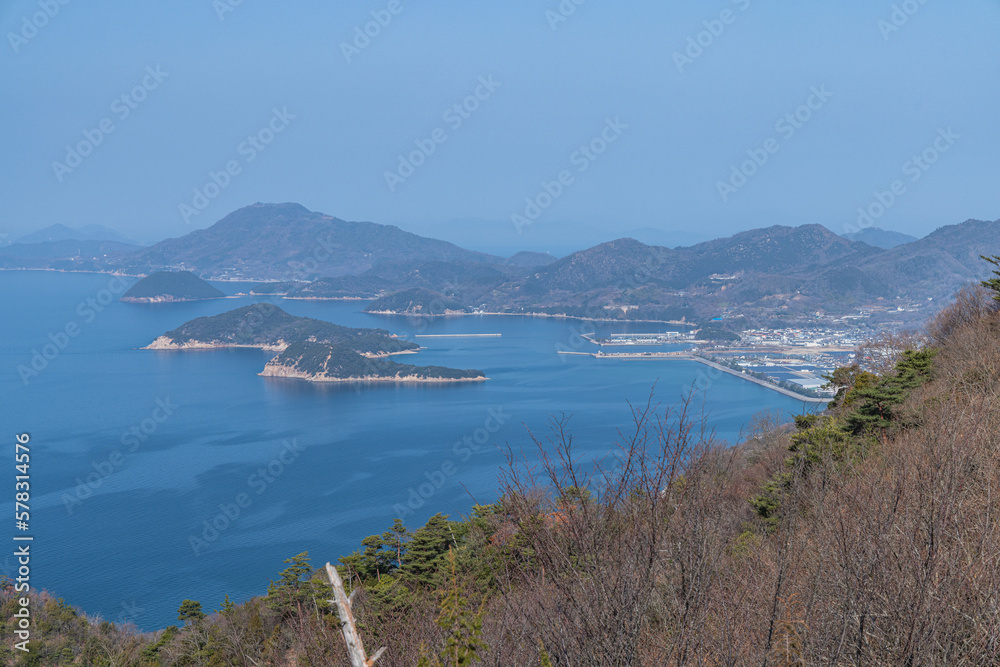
[[284, 372], [168, 344], [170, 299], [559, 316]]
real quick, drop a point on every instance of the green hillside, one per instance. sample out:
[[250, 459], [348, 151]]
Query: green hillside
[[172, 286], [327, 362], [264, 325]]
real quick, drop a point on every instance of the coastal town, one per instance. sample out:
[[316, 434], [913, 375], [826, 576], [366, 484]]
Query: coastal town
[[793, 361]]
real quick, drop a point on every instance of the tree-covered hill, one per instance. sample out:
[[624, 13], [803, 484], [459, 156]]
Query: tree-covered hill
[[320, 362], [266, 325], [171, 286]]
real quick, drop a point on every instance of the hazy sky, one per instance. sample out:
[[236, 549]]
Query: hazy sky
[[667, 98]]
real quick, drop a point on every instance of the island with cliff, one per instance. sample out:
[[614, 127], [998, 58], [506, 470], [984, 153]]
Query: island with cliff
[[309, 349], [321, 362]]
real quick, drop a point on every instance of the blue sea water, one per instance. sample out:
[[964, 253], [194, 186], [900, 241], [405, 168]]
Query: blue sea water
[[135, 453]]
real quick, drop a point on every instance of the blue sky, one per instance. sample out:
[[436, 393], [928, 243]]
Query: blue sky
[[896, 80]]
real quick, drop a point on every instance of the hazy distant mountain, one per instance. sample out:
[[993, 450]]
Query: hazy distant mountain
[[64, 255], [880, 238], [776, 249], [67, 249], [530, 259], [556, 237], [613, 263], [287, 241], [60, 232], [931, 267], [774, 274]]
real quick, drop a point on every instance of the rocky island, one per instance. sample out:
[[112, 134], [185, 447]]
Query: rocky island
[[308, 349], [171, 286]]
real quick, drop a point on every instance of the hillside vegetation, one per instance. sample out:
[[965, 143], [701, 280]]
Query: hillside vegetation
[[322, 362], [867, 535], [266, 325], [172, 286]]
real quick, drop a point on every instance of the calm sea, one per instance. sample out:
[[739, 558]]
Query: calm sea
[[160, 476]]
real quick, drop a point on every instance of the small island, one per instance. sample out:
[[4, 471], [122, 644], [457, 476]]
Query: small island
[[169, 287], [309, 349], [320, 362]]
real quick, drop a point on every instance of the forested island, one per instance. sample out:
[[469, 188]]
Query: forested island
[[268, 327], [308, 349], [320, 362], [169, 286]]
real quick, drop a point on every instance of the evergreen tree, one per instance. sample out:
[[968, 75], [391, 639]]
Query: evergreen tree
[[296, 590], [425, 554], [383, 554], [190, 610], [993, 283], [879, 404], [463, 629]]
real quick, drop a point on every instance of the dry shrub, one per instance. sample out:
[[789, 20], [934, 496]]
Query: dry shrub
[[972, 303]]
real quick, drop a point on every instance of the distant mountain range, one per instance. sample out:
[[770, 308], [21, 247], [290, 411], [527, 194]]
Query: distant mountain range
[[60, 232], [776, 275], [289, 242], [880, 238]]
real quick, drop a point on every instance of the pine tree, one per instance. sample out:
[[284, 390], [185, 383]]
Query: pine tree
[[879, 404], [295, 588], [993, 283], [383, 555], [463, 629], [425, 553], [190, 610]]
